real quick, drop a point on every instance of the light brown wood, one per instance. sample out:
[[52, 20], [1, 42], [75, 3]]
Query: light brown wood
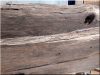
[[95, 71], [93, 2]]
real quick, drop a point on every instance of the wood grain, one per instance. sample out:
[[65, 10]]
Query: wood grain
[[16, 58]]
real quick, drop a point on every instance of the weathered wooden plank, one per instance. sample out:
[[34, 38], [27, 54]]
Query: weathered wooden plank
[[71, 67], [56, 55], [82, 34], [33, 55]]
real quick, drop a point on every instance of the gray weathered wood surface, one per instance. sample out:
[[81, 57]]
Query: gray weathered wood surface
[[50, 58]]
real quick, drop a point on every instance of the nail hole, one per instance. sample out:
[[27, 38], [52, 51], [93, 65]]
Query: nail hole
[[91, 47], [58, 53]]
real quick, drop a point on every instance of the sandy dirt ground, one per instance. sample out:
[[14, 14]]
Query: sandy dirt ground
[[21, 22]]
